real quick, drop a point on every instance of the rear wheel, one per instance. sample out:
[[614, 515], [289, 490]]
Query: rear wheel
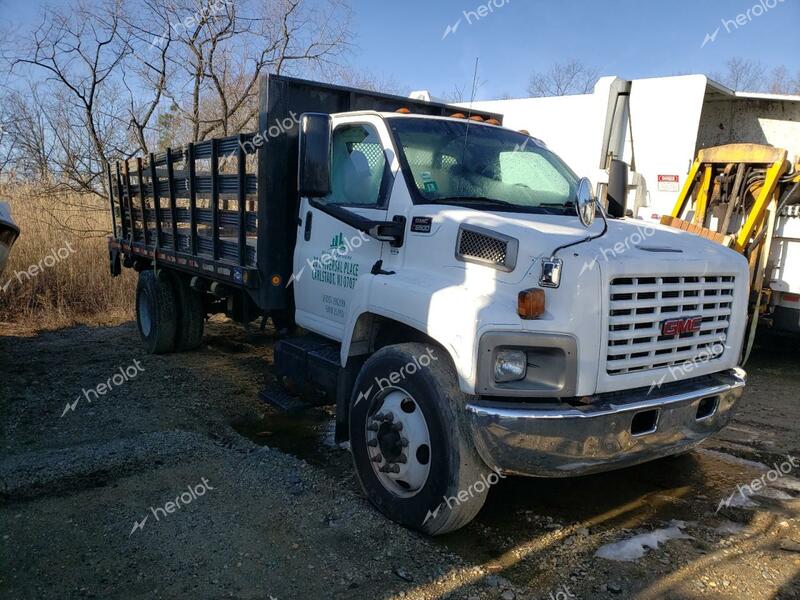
[[156, 314], [412, 457], [191, 315]]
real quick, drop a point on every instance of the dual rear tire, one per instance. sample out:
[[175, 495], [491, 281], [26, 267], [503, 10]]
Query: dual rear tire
[[170, 315]]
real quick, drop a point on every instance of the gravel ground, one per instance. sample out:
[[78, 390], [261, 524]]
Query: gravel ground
[[178, 482]]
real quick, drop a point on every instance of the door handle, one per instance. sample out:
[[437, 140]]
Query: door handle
[[307, 231]]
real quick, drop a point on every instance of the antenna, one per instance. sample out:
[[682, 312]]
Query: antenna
[[471, 101]]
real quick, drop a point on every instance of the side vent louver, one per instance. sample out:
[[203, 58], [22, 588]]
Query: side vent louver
[[485, 247]]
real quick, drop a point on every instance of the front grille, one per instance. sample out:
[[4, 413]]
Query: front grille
[[640, 305], [488, 248]]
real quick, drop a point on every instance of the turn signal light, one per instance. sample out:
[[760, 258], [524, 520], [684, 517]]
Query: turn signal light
[[458, 116], [477, 118], [530, 304], [492, 122], [403, 111]]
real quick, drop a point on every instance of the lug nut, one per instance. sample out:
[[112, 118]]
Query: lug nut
[[390, 469], [372, 443], [404, 442], [373, 427], [376, 459], [389, 417], [397, 426], [401, 459], [379, 417]]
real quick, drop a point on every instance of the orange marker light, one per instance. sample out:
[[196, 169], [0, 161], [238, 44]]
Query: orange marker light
[[492, 122], [276, 280], [458, 116], [530, 304], [477, 118], [403, 111]]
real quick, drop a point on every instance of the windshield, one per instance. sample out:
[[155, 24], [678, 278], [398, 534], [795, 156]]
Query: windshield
[[482, 166]]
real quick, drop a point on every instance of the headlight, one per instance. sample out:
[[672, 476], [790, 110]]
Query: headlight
[[510, 365]]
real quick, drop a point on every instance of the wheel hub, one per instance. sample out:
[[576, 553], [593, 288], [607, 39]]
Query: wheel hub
[[398, 443]]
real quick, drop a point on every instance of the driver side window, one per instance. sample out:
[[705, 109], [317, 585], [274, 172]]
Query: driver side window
[[358, 168]]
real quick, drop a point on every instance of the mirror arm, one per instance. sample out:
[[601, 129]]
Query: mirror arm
[[384, 231]]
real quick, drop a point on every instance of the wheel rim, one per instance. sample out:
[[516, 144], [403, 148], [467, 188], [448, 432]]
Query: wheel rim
[[145, 315], [399, 443]]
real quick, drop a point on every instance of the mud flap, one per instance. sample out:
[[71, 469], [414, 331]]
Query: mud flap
[[114, 262]]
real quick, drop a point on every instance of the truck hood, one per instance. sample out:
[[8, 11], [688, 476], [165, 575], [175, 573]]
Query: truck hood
[[628, 246]]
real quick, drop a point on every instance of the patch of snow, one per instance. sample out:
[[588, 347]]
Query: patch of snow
[[636, 547], [788, 483], [769, 492], [730, 458], [739, 500], [730, 528]]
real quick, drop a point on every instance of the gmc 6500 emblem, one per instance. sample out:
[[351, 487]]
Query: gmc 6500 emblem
[[682, 325]]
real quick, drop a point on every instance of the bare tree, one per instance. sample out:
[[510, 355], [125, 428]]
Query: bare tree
[[78, 51], [223, 48], [562, 79], [741, 74], [361, 79], [107, 79], [780, 82]]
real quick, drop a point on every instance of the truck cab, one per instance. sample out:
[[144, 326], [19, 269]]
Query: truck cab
[[470, 309]]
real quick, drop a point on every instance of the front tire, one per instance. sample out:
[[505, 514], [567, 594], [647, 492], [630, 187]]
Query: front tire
[[411, 452], [156, 312]]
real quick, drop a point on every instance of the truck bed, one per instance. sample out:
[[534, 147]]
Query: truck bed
[[225, 209]]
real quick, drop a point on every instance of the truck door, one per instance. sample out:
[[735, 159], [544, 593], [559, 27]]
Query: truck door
[[332, 260]]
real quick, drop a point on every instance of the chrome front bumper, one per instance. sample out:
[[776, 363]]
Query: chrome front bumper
[[564, 441]]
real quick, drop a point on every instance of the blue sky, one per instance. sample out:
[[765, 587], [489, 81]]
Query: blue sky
[[628, 38], [620, 37]]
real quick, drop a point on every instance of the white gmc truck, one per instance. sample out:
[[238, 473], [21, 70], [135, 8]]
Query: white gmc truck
[[450, 285]]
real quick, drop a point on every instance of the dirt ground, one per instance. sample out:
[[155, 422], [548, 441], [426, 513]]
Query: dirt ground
[[175, 481]]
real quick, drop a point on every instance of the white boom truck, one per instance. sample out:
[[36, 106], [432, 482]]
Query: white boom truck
[[459, 302], [657, 126]]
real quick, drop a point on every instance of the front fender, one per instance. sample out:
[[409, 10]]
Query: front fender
[[449, 310]]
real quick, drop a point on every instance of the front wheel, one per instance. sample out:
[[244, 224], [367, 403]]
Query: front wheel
[[411, 455]]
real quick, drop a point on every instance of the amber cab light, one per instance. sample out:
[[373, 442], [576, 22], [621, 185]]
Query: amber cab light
[[530, 304]]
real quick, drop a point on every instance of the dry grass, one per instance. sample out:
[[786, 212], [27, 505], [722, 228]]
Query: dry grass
[[66, 237]]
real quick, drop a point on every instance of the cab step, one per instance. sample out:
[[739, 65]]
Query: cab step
[[275, 395], [309, 365]]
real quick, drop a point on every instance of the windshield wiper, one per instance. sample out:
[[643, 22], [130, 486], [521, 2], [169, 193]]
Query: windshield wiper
[[476, 199], [568, 204]]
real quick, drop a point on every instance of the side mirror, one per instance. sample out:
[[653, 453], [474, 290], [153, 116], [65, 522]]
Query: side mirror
[[314, 161], [617, 194], [585, 201]]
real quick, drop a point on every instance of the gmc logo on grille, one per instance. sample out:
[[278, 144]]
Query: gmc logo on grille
[[675, 327]]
